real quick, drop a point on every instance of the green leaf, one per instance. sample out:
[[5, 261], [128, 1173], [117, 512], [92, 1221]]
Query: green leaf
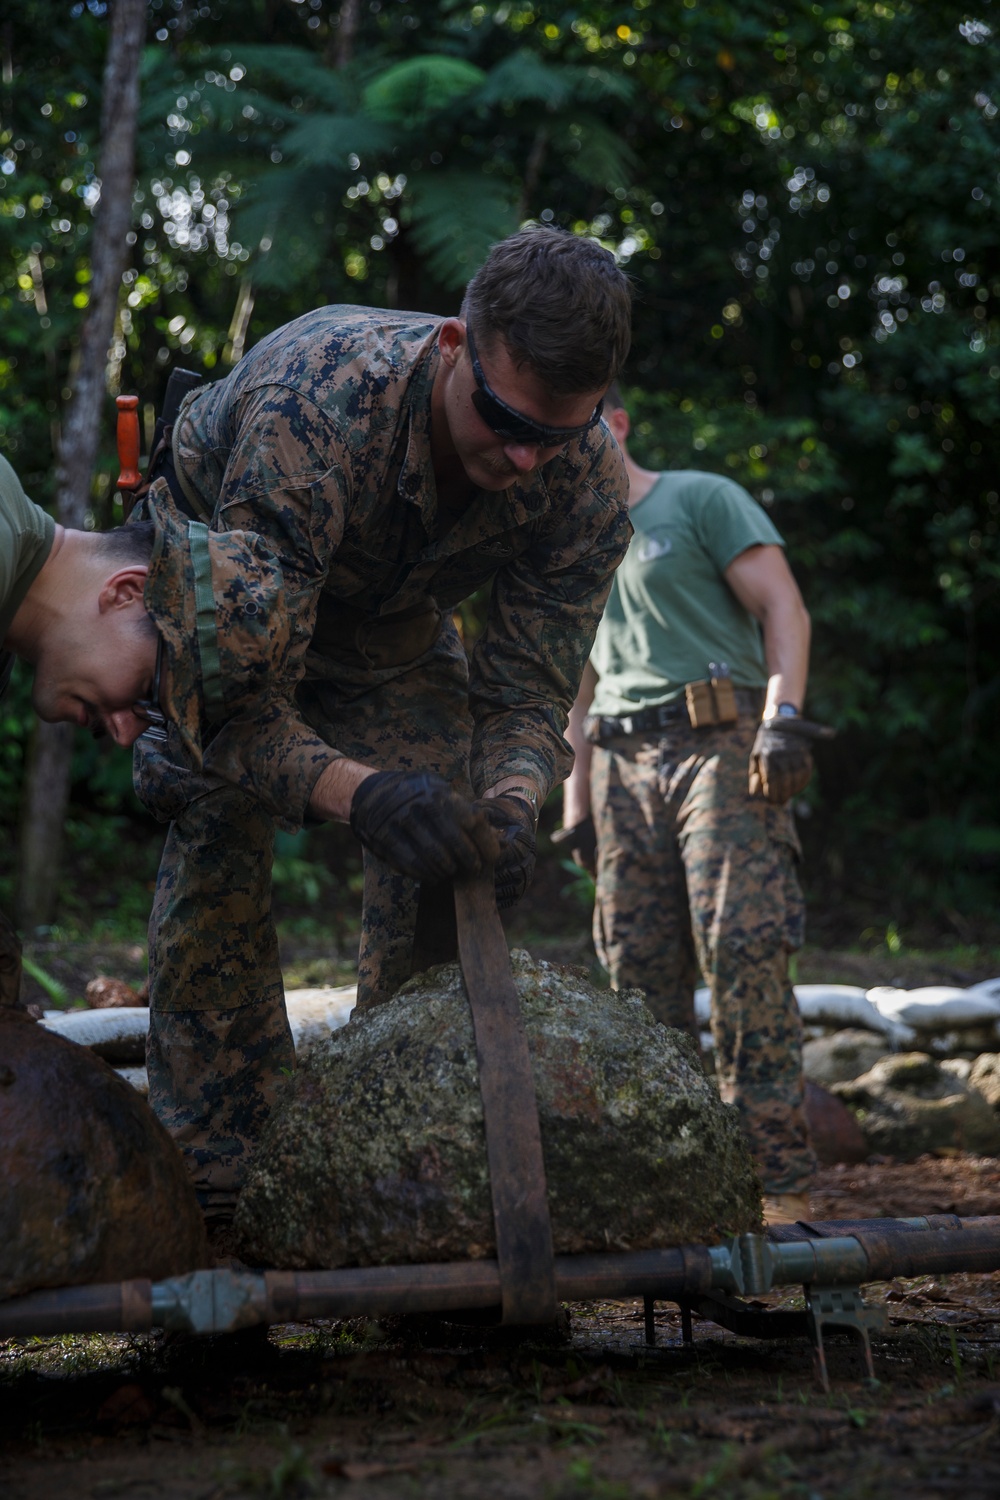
[[455, 217], [327, 140], [412, 91]]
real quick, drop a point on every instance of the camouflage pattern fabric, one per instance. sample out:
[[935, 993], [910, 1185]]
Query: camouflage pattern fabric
[[319, 441], [218, 1036], [694, 874], [218, 602], [212, 1081]]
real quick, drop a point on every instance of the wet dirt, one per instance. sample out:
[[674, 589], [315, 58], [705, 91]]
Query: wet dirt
[[422, 1408]]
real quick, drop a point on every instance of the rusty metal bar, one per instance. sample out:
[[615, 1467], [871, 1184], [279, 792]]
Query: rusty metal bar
[[115, 1307], [222, 1300], [930, 1252], [510, 1108], [827, 1228]]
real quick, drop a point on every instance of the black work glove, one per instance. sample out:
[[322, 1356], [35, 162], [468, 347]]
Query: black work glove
[[781, 761], [582, 841], [416, 823], [514, 821]]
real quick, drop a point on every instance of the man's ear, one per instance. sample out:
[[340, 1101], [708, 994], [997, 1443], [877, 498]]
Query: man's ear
[[451, 341], [123, 590], [619, 423]]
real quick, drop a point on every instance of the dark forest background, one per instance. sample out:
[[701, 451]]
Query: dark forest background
[[805, 195]]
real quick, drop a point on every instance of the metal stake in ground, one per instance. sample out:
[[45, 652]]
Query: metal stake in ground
[[510, 1109]]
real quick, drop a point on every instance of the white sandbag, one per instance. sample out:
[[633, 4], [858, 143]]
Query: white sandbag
[[987, 989], [118, 1035], [824, 1005], [934, 1007], [840, 1005], [313, 1014], [136, 1077]]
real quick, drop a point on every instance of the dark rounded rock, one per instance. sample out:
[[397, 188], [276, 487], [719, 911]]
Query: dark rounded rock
[[842, 1057], [834, 1133], [92, 1188], [908, 1104], [375, 1151], [105, 993]]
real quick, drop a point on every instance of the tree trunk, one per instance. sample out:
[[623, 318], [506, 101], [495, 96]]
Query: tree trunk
[[347, 30], [46, 796], [47, 782]]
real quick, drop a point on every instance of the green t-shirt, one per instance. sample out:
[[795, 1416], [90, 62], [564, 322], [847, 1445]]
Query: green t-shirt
[[671, 611], [26, 536]]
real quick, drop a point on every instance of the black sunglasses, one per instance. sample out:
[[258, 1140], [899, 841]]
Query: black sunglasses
[[149, 708], [509, 423]]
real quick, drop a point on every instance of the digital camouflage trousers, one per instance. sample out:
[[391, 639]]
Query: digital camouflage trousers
[[219, 1040], [694, 874]]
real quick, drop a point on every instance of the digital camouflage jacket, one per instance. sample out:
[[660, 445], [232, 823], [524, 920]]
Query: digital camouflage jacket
[[319, 441]]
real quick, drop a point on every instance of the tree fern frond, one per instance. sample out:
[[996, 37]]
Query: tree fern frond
[[413, 91], [296, 69], [455, 217], [602, 157], [328, 140], [523, 77]]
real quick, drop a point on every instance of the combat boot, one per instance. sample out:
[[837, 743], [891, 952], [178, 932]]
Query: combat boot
[[786, 1208]]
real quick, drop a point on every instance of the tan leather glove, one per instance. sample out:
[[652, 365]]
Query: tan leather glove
[[781, 760]]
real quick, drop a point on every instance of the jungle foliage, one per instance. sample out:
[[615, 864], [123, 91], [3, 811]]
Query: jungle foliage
[[805, 196]]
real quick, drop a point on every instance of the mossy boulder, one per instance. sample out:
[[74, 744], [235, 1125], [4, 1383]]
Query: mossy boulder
[[375, 1152]]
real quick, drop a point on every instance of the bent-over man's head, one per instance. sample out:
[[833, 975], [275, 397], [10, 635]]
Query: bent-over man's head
[[82, 625], [154, 622]]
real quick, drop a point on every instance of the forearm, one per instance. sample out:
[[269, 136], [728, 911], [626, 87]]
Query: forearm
[[334, 789], [576, 789], [523, 786], [786, 650]]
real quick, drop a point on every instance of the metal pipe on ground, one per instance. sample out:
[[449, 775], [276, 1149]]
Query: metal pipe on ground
[[827, 1254]]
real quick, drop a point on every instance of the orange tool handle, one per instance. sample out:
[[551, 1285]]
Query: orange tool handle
[[128, 442]]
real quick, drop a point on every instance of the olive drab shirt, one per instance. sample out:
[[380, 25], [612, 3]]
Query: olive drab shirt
[[319, 441], [671, 612], [26, 536]]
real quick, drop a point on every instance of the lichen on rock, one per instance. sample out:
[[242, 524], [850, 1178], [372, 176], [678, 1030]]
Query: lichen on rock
[[375, 1152]]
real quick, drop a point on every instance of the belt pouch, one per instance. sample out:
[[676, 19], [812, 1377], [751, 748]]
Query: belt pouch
[[710, 702]]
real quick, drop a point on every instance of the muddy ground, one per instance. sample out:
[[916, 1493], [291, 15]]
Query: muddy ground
[[428, 1409]]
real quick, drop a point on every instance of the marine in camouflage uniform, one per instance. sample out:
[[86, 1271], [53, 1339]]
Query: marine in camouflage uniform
[[79, 608], [321, 441], [695, 875]]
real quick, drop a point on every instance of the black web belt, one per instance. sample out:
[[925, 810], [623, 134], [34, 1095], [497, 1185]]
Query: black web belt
[[597, 728]]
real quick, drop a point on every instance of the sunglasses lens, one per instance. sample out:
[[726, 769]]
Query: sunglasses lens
[[503, 422], [508, 423]]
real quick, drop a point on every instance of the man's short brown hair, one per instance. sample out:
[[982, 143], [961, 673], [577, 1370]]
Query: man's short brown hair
[[560, 304], [130, 545]]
